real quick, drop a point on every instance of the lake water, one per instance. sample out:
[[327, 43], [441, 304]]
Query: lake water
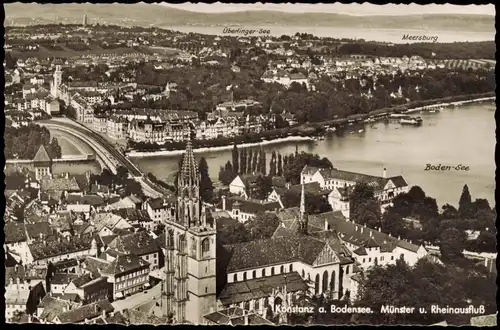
[[464, 135], [380, 35]]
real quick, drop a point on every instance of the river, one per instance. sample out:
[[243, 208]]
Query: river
[[464, 135], [379, 35]]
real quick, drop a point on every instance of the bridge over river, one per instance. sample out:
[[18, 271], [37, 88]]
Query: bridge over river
[[106, 152]]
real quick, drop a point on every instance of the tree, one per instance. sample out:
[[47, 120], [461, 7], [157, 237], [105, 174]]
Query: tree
[[465, 202], [132, 187], [364, 208], [255, 162], [226, 174], [262, 162], [249, 164], [263, 187], [262, 226], [279, 165], [452, 243], [231, 231], [272, 165], [121, 174], [243, 161], [206, 185], [54, 149], [10, 61], [236, 162]]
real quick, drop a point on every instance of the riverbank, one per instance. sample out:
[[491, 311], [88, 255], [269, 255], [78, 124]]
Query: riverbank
[[304, 132], [134, 153], [451, 104]]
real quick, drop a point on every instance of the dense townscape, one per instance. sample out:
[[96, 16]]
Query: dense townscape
[[270, 241]]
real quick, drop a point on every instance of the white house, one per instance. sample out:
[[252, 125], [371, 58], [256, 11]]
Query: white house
[[385, 189]]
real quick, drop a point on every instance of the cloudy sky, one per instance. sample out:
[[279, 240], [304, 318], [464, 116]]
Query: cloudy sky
[[349, 9]]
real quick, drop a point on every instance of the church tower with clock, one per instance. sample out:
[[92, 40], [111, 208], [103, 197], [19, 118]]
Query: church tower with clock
[[190, 261]]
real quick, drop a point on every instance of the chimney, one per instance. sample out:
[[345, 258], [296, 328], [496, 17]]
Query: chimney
[[361, 230], [41, 235], [384, 173], [223, 203], [64, 309], [67, 175], [326, 225], [288, 185], [379, 229], [399, 237], [371, 233], [103, 313]]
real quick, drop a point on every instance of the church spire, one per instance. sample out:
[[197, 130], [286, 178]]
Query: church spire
[[303, 216], [302, 202], [189, 169]]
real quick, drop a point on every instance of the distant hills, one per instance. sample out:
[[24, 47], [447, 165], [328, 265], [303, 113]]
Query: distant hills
[[146, 15]]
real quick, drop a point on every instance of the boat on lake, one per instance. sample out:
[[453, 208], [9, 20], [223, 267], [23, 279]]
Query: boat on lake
[[416, 121]]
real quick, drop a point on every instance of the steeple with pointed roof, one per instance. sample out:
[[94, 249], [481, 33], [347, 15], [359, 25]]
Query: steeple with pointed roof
[[188, 192], [303, 215], [42, 156], [42, 164]]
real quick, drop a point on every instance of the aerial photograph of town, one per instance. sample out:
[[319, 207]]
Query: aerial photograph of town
[[250, 164]]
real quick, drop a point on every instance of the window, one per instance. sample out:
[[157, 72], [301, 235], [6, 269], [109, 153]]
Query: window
[[369, 259], [381, 258], [291, 268], [206, 289], [364, 259], [303, 274], [244, 276], [392, 257], [254, 274], [347, 269], [282, 269], [235, 278], [272, 271], [263, 272], [205, 248], [402, 256]]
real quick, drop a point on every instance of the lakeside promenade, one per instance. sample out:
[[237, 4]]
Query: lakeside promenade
[[341, 122]]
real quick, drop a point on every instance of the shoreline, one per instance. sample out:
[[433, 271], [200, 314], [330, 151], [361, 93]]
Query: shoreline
[[451, 104], [140, 154]]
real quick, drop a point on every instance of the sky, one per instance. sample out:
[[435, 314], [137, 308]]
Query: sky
[[339, 8]]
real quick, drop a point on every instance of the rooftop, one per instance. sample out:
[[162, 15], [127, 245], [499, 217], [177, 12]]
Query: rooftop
[[238, 292]]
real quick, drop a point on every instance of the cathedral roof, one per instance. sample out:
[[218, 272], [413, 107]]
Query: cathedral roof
[[273, 251], [260, 287]]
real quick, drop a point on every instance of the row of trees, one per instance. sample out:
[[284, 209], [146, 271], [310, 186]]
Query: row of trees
[[447, 229], [421, 286], [23, 142], [119, 182], [248, 161]]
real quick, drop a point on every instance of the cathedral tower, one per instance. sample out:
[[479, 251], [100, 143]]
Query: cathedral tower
[[190, 258]]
